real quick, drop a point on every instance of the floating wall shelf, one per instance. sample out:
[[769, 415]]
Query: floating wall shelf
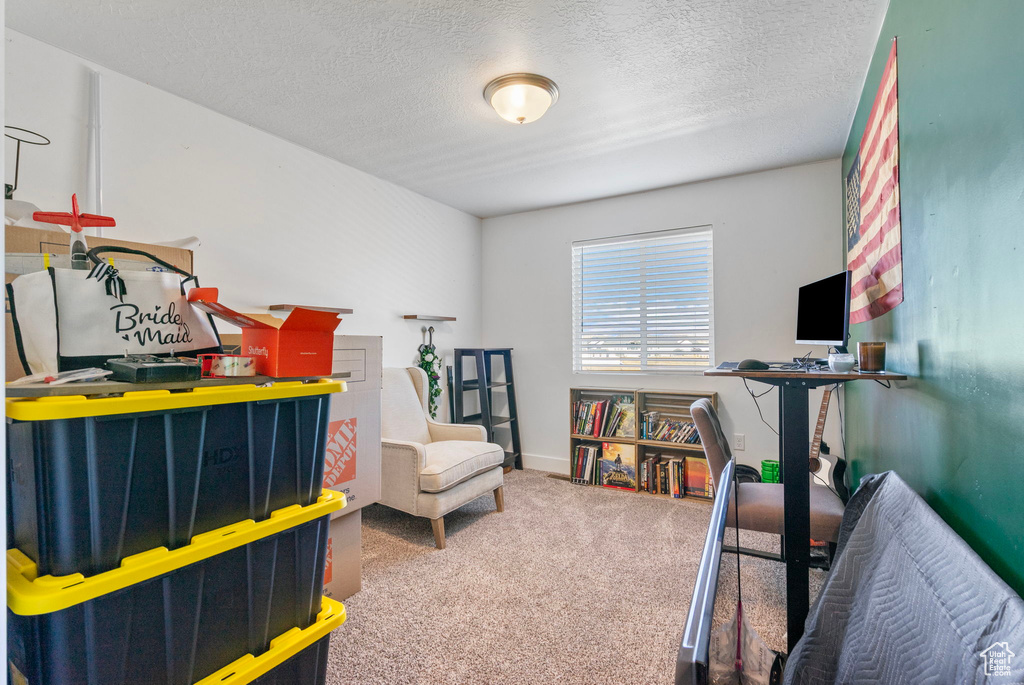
[[425, 317]]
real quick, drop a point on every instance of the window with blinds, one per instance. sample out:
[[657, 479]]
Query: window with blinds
[[644, 303]]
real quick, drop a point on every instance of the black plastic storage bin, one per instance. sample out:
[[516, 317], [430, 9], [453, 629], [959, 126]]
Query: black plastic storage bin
[[308, 667], [295, 658], [95, 480], [172, 617]]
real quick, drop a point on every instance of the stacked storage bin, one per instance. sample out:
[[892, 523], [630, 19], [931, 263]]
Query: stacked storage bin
[[170, 538]]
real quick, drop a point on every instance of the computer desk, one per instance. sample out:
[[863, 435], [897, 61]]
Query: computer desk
[[794, 387]]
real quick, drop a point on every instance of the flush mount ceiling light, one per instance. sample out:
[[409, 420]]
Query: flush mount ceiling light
[[521, 98]]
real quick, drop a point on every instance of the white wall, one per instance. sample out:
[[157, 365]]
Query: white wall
[[773, 232], [278, 223], [3, 438], [282, 224]]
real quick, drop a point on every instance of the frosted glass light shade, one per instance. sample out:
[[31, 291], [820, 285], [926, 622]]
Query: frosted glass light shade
[[521, 98]]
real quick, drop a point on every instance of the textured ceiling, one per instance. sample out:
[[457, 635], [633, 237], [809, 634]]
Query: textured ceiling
[[652, 92]]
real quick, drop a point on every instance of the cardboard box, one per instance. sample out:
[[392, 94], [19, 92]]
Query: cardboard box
[[353, 434], [301, 345], [18, 239], [343, 571], [353, 457]]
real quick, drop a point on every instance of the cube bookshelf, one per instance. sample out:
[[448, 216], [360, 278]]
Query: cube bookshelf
[[673, 407]]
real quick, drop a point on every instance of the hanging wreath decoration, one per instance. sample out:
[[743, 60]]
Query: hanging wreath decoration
[[431, 362]]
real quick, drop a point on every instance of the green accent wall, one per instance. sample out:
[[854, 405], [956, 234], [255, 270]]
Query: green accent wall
[[955, 432]]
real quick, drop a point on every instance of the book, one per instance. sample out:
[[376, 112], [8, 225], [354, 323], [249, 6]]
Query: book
[[590, 417], [667, 430], [598, 415], [650, 475], [626, 427], [612, 419], [584, 460], [697, 478], [615, 415], [648, 423], [618, 466]]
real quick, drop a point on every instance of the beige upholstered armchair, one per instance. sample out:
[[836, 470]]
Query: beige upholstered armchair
[[429, 468]]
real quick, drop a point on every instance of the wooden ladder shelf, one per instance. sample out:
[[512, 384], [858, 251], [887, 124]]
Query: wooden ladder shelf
[[484, 386]]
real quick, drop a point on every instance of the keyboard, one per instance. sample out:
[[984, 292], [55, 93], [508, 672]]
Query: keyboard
[[772, 366]]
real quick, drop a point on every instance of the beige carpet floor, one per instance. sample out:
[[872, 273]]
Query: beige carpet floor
[[569, 585]]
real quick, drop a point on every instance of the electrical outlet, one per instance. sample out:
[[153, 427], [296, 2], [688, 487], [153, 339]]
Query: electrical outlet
[[739, 441]]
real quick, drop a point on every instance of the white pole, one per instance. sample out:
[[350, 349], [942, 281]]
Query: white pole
[[94, 169]]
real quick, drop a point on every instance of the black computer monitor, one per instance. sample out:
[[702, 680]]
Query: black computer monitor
[[823, 312]]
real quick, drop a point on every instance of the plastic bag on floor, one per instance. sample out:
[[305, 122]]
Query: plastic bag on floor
[[758, 664]]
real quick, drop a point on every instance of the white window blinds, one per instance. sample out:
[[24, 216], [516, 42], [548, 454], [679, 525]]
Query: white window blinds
[[644, 303]]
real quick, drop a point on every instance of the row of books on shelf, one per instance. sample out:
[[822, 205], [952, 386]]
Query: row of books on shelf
[[584, 465], [615, 417], [653, 427], [676, 476], [612, 465]]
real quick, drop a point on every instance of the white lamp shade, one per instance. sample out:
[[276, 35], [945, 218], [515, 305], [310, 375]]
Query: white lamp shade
[[521, 98]]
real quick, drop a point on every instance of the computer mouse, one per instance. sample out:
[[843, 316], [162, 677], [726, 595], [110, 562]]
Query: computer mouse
[[752, 365]]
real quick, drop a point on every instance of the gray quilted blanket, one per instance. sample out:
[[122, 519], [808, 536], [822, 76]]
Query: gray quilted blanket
[[907, 601]]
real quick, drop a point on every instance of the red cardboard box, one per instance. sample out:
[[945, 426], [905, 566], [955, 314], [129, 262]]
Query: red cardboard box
[[301, 345]]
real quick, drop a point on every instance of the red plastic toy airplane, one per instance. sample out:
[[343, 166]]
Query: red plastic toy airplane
[[77, 222], [74, 219]]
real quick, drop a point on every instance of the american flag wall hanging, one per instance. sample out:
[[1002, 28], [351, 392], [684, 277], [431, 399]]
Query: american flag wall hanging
[[874, 250]]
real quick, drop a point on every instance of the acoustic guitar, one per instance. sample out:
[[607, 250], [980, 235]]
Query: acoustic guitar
[[827, 469]]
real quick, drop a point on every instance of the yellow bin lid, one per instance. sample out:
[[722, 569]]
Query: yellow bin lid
[[28, 595], [283, 647], [79, 406]]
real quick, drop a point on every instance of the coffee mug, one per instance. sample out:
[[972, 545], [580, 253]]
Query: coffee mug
[[871, 355]]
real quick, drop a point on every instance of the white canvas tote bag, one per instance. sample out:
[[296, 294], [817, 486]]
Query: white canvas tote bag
[[67, 319]]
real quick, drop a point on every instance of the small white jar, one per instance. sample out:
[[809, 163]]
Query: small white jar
[[841, 363]]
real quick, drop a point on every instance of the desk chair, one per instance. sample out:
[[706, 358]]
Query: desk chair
[[761, 504]]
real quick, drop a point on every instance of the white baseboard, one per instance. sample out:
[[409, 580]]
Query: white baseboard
[[539, 462]]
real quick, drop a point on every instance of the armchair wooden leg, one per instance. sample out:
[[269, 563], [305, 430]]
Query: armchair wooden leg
[[438, 526], [499, 498]]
